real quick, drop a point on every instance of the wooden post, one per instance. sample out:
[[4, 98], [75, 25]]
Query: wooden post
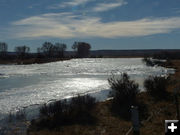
[[176, 102], [135, 120]]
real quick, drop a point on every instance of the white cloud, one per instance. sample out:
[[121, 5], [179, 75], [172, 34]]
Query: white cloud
[[68, 25], [69, 3], [98, 8], [108, 6]]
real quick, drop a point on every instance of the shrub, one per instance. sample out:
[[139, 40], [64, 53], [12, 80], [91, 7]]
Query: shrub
[[52, 109], [148, 61], [157, 87], [81, 107], [124, 93], [153, 62], [20, 115], [61, 113]]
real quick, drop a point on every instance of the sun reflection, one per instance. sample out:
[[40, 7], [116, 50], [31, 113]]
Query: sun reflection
[[86, 83]]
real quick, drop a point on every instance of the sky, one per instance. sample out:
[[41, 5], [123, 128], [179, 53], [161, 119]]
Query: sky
[[105, 24]]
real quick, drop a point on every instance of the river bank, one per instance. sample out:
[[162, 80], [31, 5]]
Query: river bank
[[32, 61], [48, 60]]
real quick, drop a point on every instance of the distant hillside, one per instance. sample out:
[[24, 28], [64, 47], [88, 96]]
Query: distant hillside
[[137, 53]]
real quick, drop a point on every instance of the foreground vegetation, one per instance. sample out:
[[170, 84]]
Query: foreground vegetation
[[63, 113], [153, 109], [124, 92]]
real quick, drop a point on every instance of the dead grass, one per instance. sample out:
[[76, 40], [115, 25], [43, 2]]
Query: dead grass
[[107, 124]]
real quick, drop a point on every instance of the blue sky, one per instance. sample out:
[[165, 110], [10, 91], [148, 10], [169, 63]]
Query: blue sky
[[105, 24]]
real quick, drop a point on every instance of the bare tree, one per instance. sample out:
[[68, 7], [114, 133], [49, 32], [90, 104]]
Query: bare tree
[[60, 49], [82, 49], [48, 49], [22, 51], [3, 49], [39, 52]]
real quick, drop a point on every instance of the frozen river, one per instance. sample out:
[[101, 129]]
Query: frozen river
[[24, 85]]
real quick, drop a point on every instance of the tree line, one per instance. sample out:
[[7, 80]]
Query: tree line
[[47, 50]]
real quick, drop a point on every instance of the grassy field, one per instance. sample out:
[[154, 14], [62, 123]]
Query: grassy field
[[109, 124]]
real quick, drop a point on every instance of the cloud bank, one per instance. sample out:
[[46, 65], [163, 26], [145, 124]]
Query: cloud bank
[[68, 25]]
